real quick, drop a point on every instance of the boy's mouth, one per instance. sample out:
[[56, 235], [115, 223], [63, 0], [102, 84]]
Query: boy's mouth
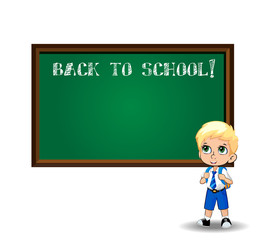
[[214, 162]]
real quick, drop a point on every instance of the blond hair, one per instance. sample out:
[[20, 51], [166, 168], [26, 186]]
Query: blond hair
[[217, 129]]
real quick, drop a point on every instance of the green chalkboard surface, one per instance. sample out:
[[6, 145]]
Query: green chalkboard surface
[[126, 105]]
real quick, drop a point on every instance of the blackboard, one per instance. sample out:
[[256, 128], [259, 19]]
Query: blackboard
[[127, 105]]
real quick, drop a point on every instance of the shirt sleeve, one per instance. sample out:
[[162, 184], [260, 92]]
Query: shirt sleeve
[[226, 174]]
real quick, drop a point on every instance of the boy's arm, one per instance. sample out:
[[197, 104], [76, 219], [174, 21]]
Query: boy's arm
[[204, 177], [226, 177], [203, 180]]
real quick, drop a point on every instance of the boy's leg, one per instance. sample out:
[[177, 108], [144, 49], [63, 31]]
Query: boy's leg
[[205, 222], [223, 206], [224, 212], [225, 223], [208, 213], [210, 201]]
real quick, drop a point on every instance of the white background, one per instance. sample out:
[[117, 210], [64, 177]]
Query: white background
[[127, 203]]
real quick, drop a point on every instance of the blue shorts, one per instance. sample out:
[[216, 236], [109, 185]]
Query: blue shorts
[[211, 199]]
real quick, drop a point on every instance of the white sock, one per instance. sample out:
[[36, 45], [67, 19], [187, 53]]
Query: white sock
[[207, 218], [225, 217]]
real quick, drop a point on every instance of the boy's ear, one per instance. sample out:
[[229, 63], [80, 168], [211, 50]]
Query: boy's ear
[[233, 158]]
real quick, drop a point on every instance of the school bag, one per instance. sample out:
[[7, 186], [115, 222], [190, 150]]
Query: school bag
[[220, 169]]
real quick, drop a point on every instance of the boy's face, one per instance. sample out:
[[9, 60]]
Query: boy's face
[[216, 152]]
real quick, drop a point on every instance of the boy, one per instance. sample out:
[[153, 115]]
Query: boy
[[217, 144]]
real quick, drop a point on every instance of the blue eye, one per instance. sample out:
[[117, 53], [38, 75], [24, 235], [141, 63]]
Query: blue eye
[[222, 150], [206, 149]]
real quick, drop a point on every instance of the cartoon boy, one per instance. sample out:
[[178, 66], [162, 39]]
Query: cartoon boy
[[217, 144]]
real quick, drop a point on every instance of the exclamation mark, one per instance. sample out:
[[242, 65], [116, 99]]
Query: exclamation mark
[[212, 63]]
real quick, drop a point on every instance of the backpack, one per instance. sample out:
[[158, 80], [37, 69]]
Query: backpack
[[220, 169]]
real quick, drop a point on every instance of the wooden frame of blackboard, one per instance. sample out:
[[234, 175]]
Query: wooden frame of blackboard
[[227, 49]]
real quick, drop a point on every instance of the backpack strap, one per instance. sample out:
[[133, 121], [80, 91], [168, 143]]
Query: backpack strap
[[208, 170], [220, 169]]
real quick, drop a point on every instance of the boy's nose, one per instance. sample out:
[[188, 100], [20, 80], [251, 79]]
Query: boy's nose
[[213, 155]]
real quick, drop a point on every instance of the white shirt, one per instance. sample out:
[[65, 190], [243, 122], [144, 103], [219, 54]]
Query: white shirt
[[219, 184]]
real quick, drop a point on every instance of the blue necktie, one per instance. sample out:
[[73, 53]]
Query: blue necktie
[[213, 183]]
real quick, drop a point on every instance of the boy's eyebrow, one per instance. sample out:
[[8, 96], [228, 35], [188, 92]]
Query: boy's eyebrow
[[204, 143], [224, 144]]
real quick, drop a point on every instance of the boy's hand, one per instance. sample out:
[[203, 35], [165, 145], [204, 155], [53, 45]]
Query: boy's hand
[[221, 176], [203, 180], [206, 175]]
